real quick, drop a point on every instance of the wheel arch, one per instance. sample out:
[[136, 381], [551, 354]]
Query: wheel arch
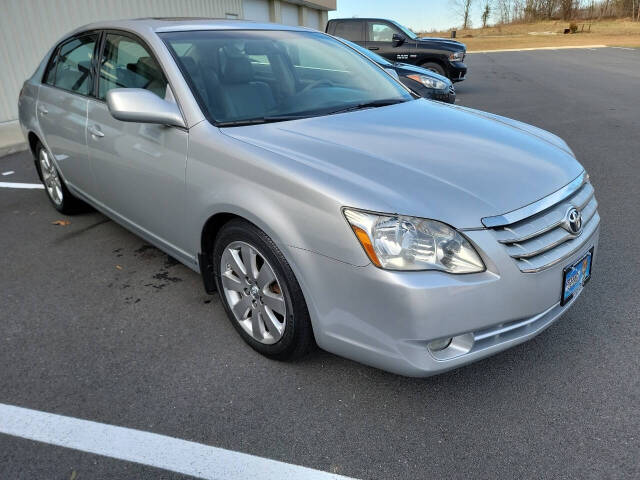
[[33, 139], [214, 223], [210, 229], [436, 59]]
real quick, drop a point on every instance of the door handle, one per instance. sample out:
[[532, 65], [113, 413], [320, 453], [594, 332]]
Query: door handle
[[96, 132], [374, 48], [42, 110]]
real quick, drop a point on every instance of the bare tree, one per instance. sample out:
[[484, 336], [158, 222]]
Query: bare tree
[[549, 8], [568, 7], [515, 11], [504, 10], [463, 10], [486, 13]]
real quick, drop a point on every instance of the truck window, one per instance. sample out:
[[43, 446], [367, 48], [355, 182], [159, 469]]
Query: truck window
[[380, 32], [349, 31]]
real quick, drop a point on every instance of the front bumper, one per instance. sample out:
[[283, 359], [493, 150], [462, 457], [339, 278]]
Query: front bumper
[[387, 319], [457, 71]]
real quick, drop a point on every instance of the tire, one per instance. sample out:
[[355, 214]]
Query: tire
[[435, 67], [248, 292], [54, 186]]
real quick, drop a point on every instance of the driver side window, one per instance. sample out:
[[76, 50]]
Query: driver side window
[[380, 32], [128, 64]]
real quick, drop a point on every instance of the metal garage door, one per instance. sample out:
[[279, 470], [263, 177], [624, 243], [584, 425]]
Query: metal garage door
[[256, 10], [313, 18], [29, 28], [289, 14]]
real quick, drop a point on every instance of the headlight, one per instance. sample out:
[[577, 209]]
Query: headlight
[[456, 56], [429, 82], [397, 242]]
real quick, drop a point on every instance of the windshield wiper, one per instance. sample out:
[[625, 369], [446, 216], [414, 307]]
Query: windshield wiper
[[363, 105], [260, 120], [284, 118]]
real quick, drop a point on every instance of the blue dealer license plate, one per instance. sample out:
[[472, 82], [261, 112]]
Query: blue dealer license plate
[[575, 276]]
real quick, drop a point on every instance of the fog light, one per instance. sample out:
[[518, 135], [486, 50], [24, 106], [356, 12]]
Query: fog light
[[438, 345]]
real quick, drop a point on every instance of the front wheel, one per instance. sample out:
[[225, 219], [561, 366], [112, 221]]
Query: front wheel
[[434, 67], [260, 293]]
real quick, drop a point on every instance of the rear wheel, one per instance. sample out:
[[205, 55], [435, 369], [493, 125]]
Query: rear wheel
[[260, 293], [434, 67], [54, 186]]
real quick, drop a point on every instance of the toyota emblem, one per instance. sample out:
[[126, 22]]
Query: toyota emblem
[[574, 221]]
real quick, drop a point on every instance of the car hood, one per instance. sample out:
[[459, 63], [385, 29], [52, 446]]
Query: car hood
[[421, 158], [452, 44]]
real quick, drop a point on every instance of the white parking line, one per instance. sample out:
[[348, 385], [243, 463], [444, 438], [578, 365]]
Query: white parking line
[[20, 185], [147, 448], [10, 172]]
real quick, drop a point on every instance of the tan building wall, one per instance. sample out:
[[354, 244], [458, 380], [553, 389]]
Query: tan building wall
[[28, 28]]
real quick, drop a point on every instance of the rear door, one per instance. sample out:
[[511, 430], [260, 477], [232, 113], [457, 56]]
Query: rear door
[[352, 30], [139, 167], [380, 40], [62, 108]]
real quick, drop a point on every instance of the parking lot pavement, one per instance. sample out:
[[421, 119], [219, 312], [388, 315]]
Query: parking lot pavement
[[97, 325]]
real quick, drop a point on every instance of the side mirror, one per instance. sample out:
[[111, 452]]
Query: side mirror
[[397, 40], [143, 106]]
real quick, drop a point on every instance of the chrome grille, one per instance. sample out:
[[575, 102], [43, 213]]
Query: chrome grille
[[545, 238]]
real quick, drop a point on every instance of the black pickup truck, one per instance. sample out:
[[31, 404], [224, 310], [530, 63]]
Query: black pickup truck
[[399, 44]]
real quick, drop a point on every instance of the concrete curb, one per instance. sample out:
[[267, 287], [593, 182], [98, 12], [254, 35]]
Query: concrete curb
[[8, 150], [11, 138], [537, 48]]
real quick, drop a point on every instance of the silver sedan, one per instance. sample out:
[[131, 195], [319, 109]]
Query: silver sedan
[[323, 201]]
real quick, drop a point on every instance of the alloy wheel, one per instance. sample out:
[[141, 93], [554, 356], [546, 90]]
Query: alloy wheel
[[50, 178], [253, 292]]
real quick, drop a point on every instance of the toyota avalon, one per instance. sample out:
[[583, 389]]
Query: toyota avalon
[[322, 200]]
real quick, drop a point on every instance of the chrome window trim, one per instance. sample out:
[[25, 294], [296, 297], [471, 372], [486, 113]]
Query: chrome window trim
[[538, 206]]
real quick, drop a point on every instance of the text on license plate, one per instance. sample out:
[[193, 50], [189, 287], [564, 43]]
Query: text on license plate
[[575, 276]]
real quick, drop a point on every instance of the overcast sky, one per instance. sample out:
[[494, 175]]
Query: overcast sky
[[415, 14]]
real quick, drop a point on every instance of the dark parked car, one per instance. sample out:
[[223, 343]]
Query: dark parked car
[[399, 44], [424, 82]]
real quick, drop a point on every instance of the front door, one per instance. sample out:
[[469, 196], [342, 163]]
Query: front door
[[140, 167], [380, 40], [62, 109]]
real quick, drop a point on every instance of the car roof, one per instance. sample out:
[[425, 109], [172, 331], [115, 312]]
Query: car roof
[[361, 19], [179, 24]]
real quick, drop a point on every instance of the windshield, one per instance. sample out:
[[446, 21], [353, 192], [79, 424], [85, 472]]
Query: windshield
[[368, 53], [405, 30], [255, 76]]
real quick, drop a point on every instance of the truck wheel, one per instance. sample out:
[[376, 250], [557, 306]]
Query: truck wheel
[[434, 67]]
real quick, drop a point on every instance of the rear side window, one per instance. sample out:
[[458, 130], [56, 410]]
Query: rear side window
[[350, 31], [126, 63], [50, 75], [71, 69]]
